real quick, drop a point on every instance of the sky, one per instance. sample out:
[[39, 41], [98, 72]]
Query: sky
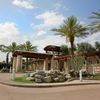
[[32, 20]]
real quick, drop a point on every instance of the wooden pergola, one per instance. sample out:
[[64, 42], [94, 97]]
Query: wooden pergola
[[86, 55], [31, 54], [18, 55], [55, 61]]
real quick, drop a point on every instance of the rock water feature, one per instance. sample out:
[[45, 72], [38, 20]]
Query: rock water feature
[[48, 76]]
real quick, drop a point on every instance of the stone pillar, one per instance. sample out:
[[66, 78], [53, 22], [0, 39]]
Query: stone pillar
[[19, 63], [80, 75], [53, 64], [65, 67], [44, 66]]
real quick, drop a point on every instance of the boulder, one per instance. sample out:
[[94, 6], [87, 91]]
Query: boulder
[[48, 79], [32, 74], [56, 79], [30, 78], [37, 80], [61, 78], [39, 76]]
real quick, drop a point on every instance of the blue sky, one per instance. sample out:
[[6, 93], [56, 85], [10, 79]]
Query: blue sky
[[22, 20]]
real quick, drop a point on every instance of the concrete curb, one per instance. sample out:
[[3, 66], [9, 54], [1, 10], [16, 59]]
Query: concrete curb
[[48, 85]]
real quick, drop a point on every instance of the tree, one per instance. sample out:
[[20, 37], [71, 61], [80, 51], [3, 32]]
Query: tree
[[27, 46], [95, 25], [85, 48], [9, 49], [97, 46], [64, 50], [71, 29]]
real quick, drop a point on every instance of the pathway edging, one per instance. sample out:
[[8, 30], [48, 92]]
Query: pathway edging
[[48, 85]]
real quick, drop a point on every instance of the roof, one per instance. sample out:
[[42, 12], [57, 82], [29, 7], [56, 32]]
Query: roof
[[52, 48], [87, 55], [31, 54]]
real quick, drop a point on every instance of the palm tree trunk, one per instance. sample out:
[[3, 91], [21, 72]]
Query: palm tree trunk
[[7, 58], [71, 39]]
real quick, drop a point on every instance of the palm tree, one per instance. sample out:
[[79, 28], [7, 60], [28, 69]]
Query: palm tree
[[95, 25], [27, 46], [71, 29], [9, 49]]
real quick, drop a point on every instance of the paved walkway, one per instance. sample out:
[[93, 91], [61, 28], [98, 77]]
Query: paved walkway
[[5, 78]]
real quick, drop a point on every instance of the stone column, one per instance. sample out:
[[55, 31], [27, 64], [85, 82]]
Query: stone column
[[44, 66], [65, 67], [19, 63], [54, 64]]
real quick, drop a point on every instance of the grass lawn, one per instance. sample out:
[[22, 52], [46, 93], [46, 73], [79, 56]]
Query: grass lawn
[[97, 77], [22, 80]]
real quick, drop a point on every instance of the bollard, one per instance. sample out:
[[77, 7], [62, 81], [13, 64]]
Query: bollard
[[13, 74], [80, 75]]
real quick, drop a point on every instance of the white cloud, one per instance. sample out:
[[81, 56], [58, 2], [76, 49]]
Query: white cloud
[[60, 6], [27, 4], [40, 33], [90, 39], [8, 32], [50, 19], [49, 40]]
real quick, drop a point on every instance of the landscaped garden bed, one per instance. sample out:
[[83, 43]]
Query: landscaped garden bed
[[44, 77], [22, 79]]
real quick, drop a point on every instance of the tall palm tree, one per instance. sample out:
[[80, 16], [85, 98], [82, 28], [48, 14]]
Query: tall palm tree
[[71, 29], [95, 25]]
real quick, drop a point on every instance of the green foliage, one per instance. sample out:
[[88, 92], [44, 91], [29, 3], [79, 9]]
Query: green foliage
[[22, 80], [95, 25], [97, 45], [97, 77], [85, 48], [64, 50], [76, 63], [71, 29], [27, 46], [8, 49]]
